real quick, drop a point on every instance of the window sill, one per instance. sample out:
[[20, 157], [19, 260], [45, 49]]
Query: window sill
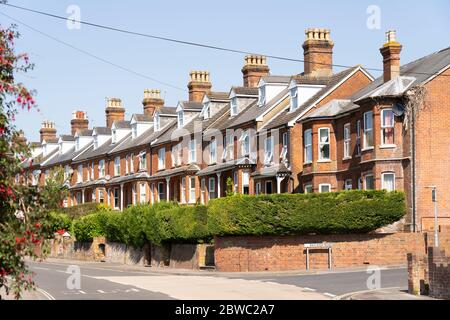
[[323, 161], [346, 158], [367, 149], [307, 163], [388, 146]]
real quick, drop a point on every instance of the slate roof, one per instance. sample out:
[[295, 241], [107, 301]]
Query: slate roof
[[167, 111], [286, 115], [217, 168], [191, 105], [143, 117], [104, 131], [85, 133], [67, 137], [191, 168], [122, 124], [277, 79], [271, 171], [218, 96], [52, 140], [331, 109], [247, 91]]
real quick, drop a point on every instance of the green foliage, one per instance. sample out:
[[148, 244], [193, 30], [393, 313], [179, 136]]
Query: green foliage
[[229, 192], [82, 209], [293, 214], [59, 221]]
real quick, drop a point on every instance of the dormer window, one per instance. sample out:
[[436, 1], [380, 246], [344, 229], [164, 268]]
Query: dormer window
[[77, 144], [157, 122], [262, 95], [233, 106], [180, 119], [95, 142], [294, 98], [207, 112], [134, 131], [114, 136]]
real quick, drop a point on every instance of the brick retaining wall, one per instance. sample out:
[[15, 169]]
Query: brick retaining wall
[[271, 253]]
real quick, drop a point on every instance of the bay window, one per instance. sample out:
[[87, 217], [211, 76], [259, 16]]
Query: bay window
[[324, 187], [324, 144], [161, 191], [370, 182], [79, 174], [388, 181], [183, 190], [347, 140], [132, 163], [308, 146], [258, 188], [202, 190], [245, 143], [387, 127], [368, 129], [245, 182]]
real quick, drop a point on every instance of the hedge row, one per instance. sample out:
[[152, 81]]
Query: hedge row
[[284, 214]]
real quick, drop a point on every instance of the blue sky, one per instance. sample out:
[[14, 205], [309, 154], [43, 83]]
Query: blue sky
[[67, 80]]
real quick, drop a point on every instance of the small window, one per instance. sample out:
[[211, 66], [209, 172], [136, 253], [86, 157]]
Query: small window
[[192, 190], [117, 166], [236, 181], [207, 112], [269, 187], [116, 198], [245, 143], [388, 181], [132, 163], [161, 191], [192, 151], [213, 151], [161, 158], [157, 122], [258, 188], [324, 144], [284, 150], [92, 171], [101, 196], [183, 190], [294, 99], [134, 131], [233, 106], [79, 172], [368, 129], [212, 188], [101, 168], [358, 138], [308, 188], [202, 190], [245, 182], [324, 188], [127, 167], [142, 193], [347, 140], [143, 161], [262, 96], [180, 119], [348, 185], [370, 182], [268, 151], [308, 146], [387, 127]]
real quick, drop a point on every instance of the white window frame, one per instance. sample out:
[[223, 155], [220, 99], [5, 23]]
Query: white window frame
[[320, 144], [306, 187], [79, 174], [348, 184], [207, 113], [236, 181], [180, 116], [285, 144], [157, 122], [261, 95], [134, 131], [213, 151], [268, 150], [324, 185], [192, 151], [192, 195], [92, 171], [365, 181], [101, 168], [258, 188], [383, 175], [308, 146], [161, 193], [368, 131], [66, 173], [143, 160], [358, 138], [347, 141], [183, 190], [385, 126], [101, 196], [245, 181], [293, 92], [142, 193], [202, 190], [116, 197], [245, 143], [132, 163], [117, 166], [233, 106], [161, 159], [212, 188], [127, 167]]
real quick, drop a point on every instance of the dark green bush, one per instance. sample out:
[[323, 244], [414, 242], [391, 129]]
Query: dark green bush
[[292, 214], [81, 209], [87, 227], [58, 221]]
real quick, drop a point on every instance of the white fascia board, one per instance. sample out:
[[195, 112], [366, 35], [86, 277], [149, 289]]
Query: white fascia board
[[292, 122], [260, 117]]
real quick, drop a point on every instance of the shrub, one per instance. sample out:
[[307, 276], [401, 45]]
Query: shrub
[[81, 209], [87, 227], [58, 221], [293, 214]]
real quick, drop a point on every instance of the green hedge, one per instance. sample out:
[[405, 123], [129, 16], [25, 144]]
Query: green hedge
[[294, 214], [81, 209], [283, 214]]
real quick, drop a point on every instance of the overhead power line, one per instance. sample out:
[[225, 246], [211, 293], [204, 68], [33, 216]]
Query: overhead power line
[[190, 43], [93, 55]]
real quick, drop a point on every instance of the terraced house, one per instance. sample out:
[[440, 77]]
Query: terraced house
[[318, 131]]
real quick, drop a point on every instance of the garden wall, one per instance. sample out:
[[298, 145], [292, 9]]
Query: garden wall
[[281, 253]]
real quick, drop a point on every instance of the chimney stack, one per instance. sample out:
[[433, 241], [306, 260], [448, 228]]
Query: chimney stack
[[199, 85], [152, 101], [318, 53], [255, 67], [20, 139], [48, 131], [391, 56], [79, 122], [114, 111]]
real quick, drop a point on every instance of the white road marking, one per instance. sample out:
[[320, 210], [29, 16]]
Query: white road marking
[[101, 291], [46, 294], [329, 295], [81, 291], [39, 268]]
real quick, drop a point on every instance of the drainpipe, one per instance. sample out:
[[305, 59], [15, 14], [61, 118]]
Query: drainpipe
[[413, 168]]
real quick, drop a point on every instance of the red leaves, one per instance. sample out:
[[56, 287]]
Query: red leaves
[[61, 231], [20, 240]]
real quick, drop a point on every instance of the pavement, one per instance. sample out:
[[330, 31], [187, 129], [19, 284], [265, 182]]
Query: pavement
[[100, 281]]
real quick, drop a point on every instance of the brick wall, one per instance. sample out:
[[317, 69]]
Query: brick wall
[[235, 254]]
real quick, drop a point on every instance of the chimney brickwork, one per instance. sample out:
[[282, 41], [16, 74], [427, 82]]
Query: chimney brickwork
[[199, 85], [48, 131], [318, 53], [152, 101], [114, 111], [79, 122], [391, 56], [255, 67]]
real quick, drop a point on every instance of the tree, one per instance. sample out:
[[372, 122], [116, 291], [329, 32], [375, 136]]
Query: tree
[[24, 210], [229, 192]]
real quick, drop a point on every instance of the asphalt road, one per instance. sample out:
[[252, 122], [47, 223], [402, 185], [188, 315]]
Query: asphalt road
[[99, 281]]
